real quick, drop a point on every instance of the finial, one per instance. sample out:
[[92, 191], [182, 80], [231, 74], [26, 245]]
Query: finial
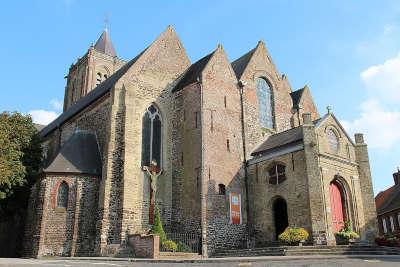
[[106, 22], [329, 109]]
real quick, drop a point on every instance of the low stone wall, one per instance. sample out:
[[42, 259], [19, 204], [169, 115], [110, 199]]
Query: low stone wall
[[145, 246]]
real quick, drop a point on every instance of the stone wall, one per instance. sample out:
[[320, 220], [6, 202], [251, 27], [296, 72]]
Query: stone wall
[[222, 152], [294, 190], [67, 231]]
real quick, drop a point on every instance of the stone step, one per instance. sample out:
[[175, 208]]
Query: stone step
[[310, 250]]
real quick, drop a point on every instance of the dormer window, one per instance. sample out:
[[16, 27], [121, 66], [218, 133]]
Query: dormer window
[[276, 174]]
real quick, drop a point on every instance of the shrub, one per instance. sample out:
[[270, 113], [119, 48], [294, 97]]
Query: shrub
[[347, 232], [388, 240], [293, 235], [157, 228], [182, 247], [169, 245]]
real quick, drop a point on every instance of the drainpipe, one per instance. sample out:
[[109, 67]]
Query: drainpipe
[[203, 188], [242, 84]]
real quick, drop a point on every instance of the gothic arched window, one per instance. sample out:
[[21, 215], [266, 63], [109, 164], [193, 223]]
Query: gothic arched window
[[151, 136], [333, 140], [276, 174], [62, 195], [264, 95], [98, 78]]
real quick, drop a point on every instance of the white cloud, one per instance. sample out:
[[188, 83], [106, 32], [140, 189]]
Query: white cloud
[[43, 117], [56, 104], [383, 80], [381, 127]]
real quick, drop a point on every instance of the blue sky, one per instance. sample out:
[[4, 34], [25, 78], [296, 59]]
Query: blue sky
[[348, 52]]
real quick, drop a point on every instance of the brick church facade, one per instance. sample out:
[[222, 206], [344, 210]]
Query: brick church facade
[[240, 155]]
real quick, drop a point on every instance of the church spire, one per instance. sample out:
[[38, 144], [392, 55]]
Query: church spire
[[104, 44]]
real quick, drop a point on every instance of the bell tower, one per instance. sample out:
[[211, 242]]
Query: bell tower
[[98, 63]]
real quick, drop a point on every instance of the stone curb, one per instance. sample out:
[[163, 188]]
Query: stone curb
[[229, 259]]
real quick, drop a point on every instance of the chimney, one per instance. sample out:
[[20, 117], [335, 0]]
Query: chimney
[[396, 177]]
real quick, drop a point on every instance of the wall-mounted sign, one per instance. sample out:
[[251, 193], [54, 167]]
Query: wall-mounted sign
[[235, 208]]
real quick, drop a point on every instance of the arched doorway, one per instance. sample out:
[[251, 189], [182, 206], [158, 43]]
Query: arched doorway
[[337, 197], [279, 208]]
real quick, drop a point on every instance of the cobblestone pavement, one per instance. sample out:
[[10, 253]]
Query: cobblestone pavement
[[381, 262]]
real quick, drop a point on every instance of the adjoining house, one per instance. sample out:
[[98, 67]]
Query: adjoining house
[[388, 207]]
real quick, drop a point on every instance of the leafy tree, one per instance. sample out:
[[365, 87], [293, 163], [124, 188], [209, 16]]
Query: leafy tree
[[157, 227], [20, 158]]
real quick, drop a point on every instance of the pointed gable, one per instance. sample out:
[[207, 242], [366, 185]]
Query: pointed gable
[[296, 97], [104, 44]]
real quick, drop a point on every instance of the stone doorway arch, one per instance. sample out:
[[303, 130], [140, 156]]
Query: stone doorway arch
[[279, 210], [338, 199]]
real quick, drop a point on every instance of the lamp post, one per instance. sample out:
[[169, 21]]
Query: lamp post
[[154, 172]]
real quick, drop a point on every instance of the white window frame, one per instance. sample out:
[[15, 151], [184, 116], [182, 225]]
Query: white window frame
[[384, 225], [391, 223]]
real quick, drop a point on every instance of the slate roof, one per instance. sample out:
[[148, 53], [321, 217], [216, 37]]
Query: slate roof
[[80, 154], [296, 96], [193, 72], [388, 200], [239, 65], [92, 96], [104, 44], [279, 140]]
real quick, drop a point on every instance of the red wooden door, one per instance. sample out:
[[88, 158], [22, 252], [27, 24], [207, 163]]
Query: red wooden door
[[336, 208]]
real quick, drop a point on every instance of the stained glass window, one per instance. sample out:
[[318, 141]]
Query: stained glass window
[[151, 136], [264, 95], [333, 140], [277, 174], [62, 195]]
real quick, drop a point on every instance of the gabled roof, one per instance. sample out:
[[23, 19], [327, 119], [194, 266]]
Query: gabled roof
[[240, 64], [319, 121], [80, 154], [104, 44], [193, 72], [388, 200], [296, 97], [282, 139], [92, 96]]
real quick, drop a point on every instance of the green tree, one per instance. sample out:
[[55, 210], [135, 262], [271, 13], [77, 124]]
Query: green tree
[[20, 154], [157, 227]]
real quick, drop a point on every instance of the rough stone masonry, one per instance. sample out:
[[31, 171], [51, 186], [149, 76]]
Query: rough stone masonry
[[241, 155]]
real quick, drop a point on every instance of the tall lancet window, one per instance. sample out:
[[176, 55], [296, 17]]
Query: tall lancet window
[[264, 95], [151, 136]]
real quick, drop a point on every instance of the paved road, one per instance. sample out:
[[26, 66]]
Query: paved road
[[381, 262]]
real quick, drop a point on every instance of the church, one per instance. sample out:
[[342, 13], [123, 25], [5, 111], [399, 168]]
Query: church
[[226, 151]]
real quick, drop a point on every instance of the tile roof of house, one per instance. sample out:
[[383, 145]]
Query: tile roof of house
[[388, 200], [80, 154]]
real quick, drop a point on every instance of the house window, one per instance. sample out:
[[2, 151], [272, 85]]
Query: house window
[[277, 174], [221, 189], [151, 136], [62, 195], [333, 140], [391, 224], [264, 95], [228, 147], [384, 225], [398, 220]]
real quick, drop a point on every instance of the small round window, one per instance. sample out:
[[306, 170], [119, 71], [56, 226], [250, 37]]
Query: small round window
[[333, 140]]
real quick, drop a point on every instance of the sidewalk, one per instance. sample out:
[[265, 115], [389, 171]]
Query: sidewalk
[[231, 259]]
